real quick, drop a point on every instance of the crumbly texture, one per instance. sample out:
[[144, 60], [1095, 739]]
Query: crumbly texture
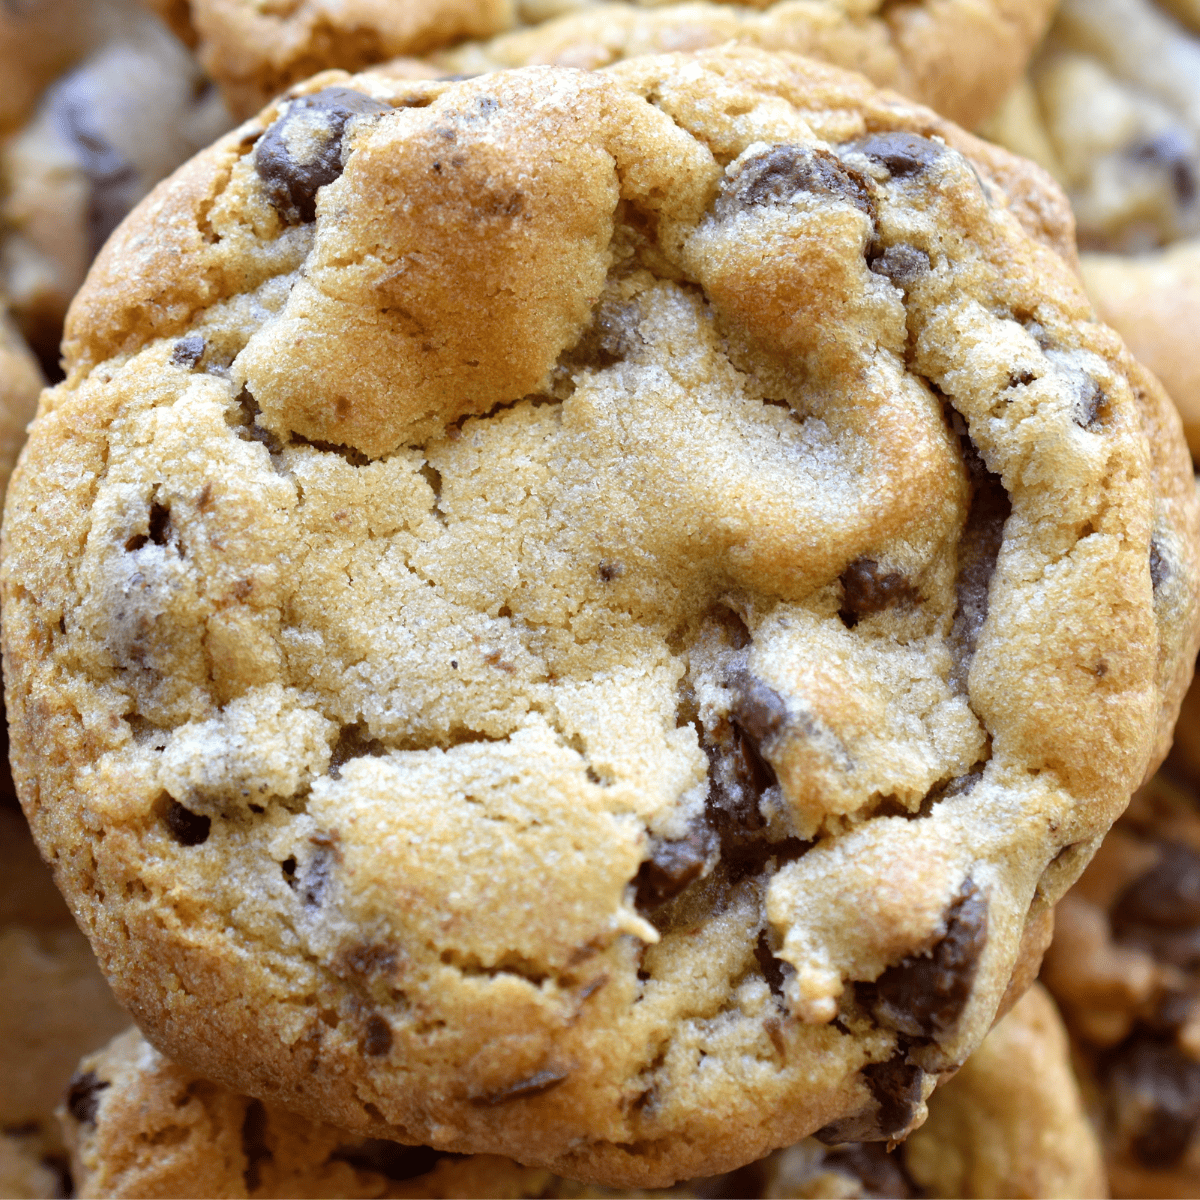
[[20, 382], [601, 657], [103, 135], [1153, 302], [958, 56], [1111, 107], [1125, 967], [56, 1008], [1010, 1123]]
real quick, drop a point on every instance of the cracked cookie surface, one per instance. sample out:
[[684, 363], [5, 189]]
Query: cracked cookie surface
[[602, 657]]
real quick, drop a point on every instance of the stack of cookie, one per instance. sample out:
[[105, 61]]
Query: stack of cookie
[[580, 600]]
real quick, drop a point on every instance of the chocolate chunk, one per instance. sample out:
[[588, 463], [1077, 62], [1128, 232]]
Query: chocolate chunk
[[254, 1144], [83, 1096], [1155, 1089], [1160, 910], [925, 994], [1088, 403], [1160, 568], [532, 1085], [378, 1038], [758, 709], [188, 351], [880, 1173], [248, 428], [866, 589], [302, 151], [901, 264], [895, 1087], [777, 175], [608, 571], [185, 827], [1171, 152], [904, 154], [670, 868], [353, 742], [978, 550], [391, 1159], [771, 967]]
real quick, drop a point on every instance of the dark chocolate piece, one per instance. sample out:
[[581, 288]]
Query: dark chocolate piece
[[302, 151], [188, 351], [867, 589], [391, 1159], [1160, 910], [670, 868], [353, 742], [925, 994], [776, 175], [185, 827], [83, 1096], [904, 154], [378, 1038], [901, 264], [254, 1144], [1155, 1084]]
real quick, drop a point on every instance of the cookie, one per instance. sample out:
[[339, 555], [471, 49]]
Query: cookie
[[1125, 967], [1112, 109], [526, 652], [56, 1008], [1011, 1122], [958, 57], [103, 135], [1153, 302]]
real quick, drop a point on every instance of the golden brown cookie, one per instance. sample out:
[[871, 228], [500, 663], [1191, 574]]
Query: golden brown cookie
[[959, 57], [102, 136], [584, 616], [1125, 966]]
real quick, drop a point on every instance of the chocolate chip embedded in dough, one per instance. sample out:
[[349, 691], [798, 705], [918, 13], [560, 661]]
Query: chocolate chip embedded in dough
[[896, 1086], [880, 1173], [1154, 1092], [778, 174], [1160, 568], [901, 264], [757, 708], [188, 351], [925, 994], [531, 1085], [904, 154], [670, 868], [187, 828], [1088, 403], [254, 1144], [866, 589], [378, 1038], [1172, 153], [302, 151], [83, 1096], [1160, 910]]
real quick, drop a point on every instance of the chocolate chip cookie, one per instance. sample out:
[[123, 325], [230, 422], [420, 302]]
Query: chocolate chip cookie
[[957, 56], [1011, 1122], [1125, 966], [586, 616], [103, 135]]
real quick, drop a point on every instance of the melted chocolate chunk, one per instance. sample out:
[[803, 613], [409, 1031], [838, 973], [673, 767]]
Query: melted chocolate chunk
[[866, 589], [188, 351], [978, 550], [771, 967], [1160, 910], [670, 868], [895, 1087], [532, 1085], [391, 1159], [901, 264], [1160, 568], [1172, 153], [925, 994], [353, 742], [302, 151], [776, 175], [1155, 1088], [904, 154], [254, 1144], [758, 709], [185, 827], [1088, 403], [378, 1037], [881, 1174], [83, 1096]]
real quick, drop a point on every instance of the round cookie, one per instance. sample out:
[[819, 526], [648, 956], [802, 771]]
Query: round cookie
[[1011, 1122], [603, 657], [1153, 302], [102, 136], [958, 56], [1125, 967]]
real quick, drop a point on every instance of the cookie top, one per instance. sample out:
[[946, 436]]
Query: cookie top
[[1011, 1122], [1125, 967], [960, 57], [597, 656], [1112, 110], [103, 135]]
